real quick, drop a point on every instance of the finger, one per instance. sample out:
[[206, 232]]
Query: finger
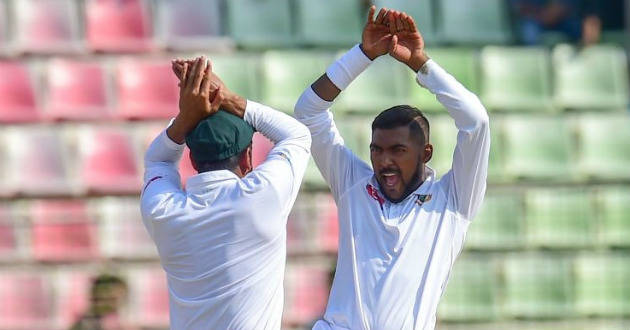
[[393, 44], [399, 24], [412, 24], [392, 22], [184, 75], [381, 16], [218, 99], [191, 73], [370, 18], [207, 80], [405, 22], [199, 74]]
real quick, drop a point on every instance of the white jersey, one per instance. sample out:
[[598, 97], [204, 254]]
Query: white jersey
[[395, 259], [222, 241]]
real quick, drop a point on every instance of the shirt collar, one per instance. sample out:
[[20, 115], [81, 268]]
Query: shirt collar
[[423, 189], [202, 180]]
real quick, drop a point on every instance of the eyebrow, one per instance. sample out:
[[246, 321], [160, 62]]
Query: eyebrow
[[397, 145]]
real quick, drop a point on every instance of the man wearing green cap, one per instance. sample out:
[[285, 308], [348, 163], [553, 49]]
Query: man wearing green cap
[[222, 241]]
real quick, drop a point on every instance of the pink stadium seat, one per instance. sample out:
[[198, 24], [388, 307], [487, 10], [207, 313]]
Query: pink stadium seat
[[62, 230], [37, 162], [72, 295], [77, 90], [47, 26], [108, 161], [307, 291], [118, 25], [17, 95], [24, 301], [328, 238], [260, 148], [146, 89], [121, 231], [186, 169], [150, 294]]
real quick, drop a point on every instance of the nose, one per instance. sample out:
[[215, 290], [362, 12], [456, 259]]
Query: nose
[[386, 160]]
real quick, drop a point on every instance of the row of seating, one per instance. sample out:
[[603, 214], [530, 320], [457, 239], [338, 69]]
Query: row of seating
[[482, 288], [111, 228], [74, 26], [507, 79]]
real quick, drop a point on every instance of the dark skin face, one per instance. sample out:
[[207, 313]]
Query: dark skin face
[[398, 159]]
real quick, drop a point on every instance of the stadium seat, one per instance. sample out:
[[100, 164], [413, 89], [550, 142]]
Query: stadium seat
[[499, 224], [250, 25], [357, 134], [602, 286], [118, 26], [613, 204], [459, 62], [286, 74], [10, 237], [63, 231], [593, 78], [537, 148], [108, 162], [24, 301], [443, 137], [149, 296], [146, 89], [603, 146], [313, 179], [312, 226], [423, 13], [516, 79], [192, 25], [558, 218], [260, 147], [319, 26], [383, 85], [122, 234], [240, 72], [72, 295], [328, 223], [77, 90], [537, 287], [38, 162], [474, 22], [47, 26], [471, 291], [306, 289], [18, 103], [496, 170], [6, 45]]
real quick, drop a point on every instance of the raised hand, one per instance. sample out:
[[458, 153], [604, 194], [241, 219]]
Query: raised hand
[[376, 35], [407, 44]]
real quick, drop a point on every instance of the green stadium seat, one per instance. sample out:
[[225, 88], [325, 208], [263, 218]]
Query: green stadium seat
[[474, 22], [443, 137], [471, 291], [423, 13], [318, 25], [602, 285], [559, 218], [240, 72], [603, 147], [537, 148], [286, 74], [459, 62], [260, 23], [313, 179], [614, 222], [383, 85], [593, 78], [357, 134], [516, 79], [495, 161], [537, 287], [499, 224]]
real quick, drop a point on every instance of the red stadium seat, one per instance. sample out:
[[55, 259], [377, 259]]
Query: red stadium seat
[[146, 89], [63, 230], [17, 95], [151, 306], [118, 26], [77, 90], [47, 26], [24, 301], [121, 231], [37, 162], [108, 161], [328, 238], [72, 296], [307, 287]]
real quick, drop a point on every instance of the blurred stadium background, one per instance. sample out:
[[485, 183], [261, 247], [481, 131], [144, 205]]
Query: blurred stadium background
[[86, 84]]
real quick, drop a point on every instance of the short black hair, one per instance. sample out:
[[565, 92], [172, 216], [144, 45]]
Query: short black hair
[[230, 163], [106, 281], [403, 116]]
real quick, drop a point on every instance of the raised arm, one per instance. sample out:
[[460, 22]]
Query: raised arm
[[467, 178]]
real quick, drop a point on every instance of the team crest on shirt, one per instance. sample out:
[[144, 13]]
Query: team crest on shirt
[[374, 194], [423, 199]]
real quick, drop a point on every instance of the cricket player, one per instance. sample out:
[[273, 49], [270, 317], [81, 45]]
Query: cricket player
[[222, 241], [401, 226]]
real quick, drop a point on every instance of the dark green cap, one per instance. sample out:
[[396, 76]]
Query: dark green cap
[[218, 137]]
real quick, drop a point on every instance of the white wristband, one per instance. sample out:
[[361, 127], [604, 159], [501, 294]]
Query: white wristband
[[349, 66]]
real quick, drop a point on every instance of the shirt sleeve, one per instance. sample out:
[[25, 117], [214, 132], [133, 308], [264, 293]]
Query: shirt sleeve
[[285, 165], [467, 178], [337, 164]]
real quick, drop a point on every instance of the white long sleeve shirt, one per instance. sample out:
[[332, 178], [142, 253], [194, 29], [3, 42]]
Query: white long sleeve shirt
[[395, 259], [222, 241]]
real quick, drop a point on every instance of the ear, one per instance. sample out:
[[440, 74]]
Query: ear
[[427, 153], [192, 161], [245, 163]]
